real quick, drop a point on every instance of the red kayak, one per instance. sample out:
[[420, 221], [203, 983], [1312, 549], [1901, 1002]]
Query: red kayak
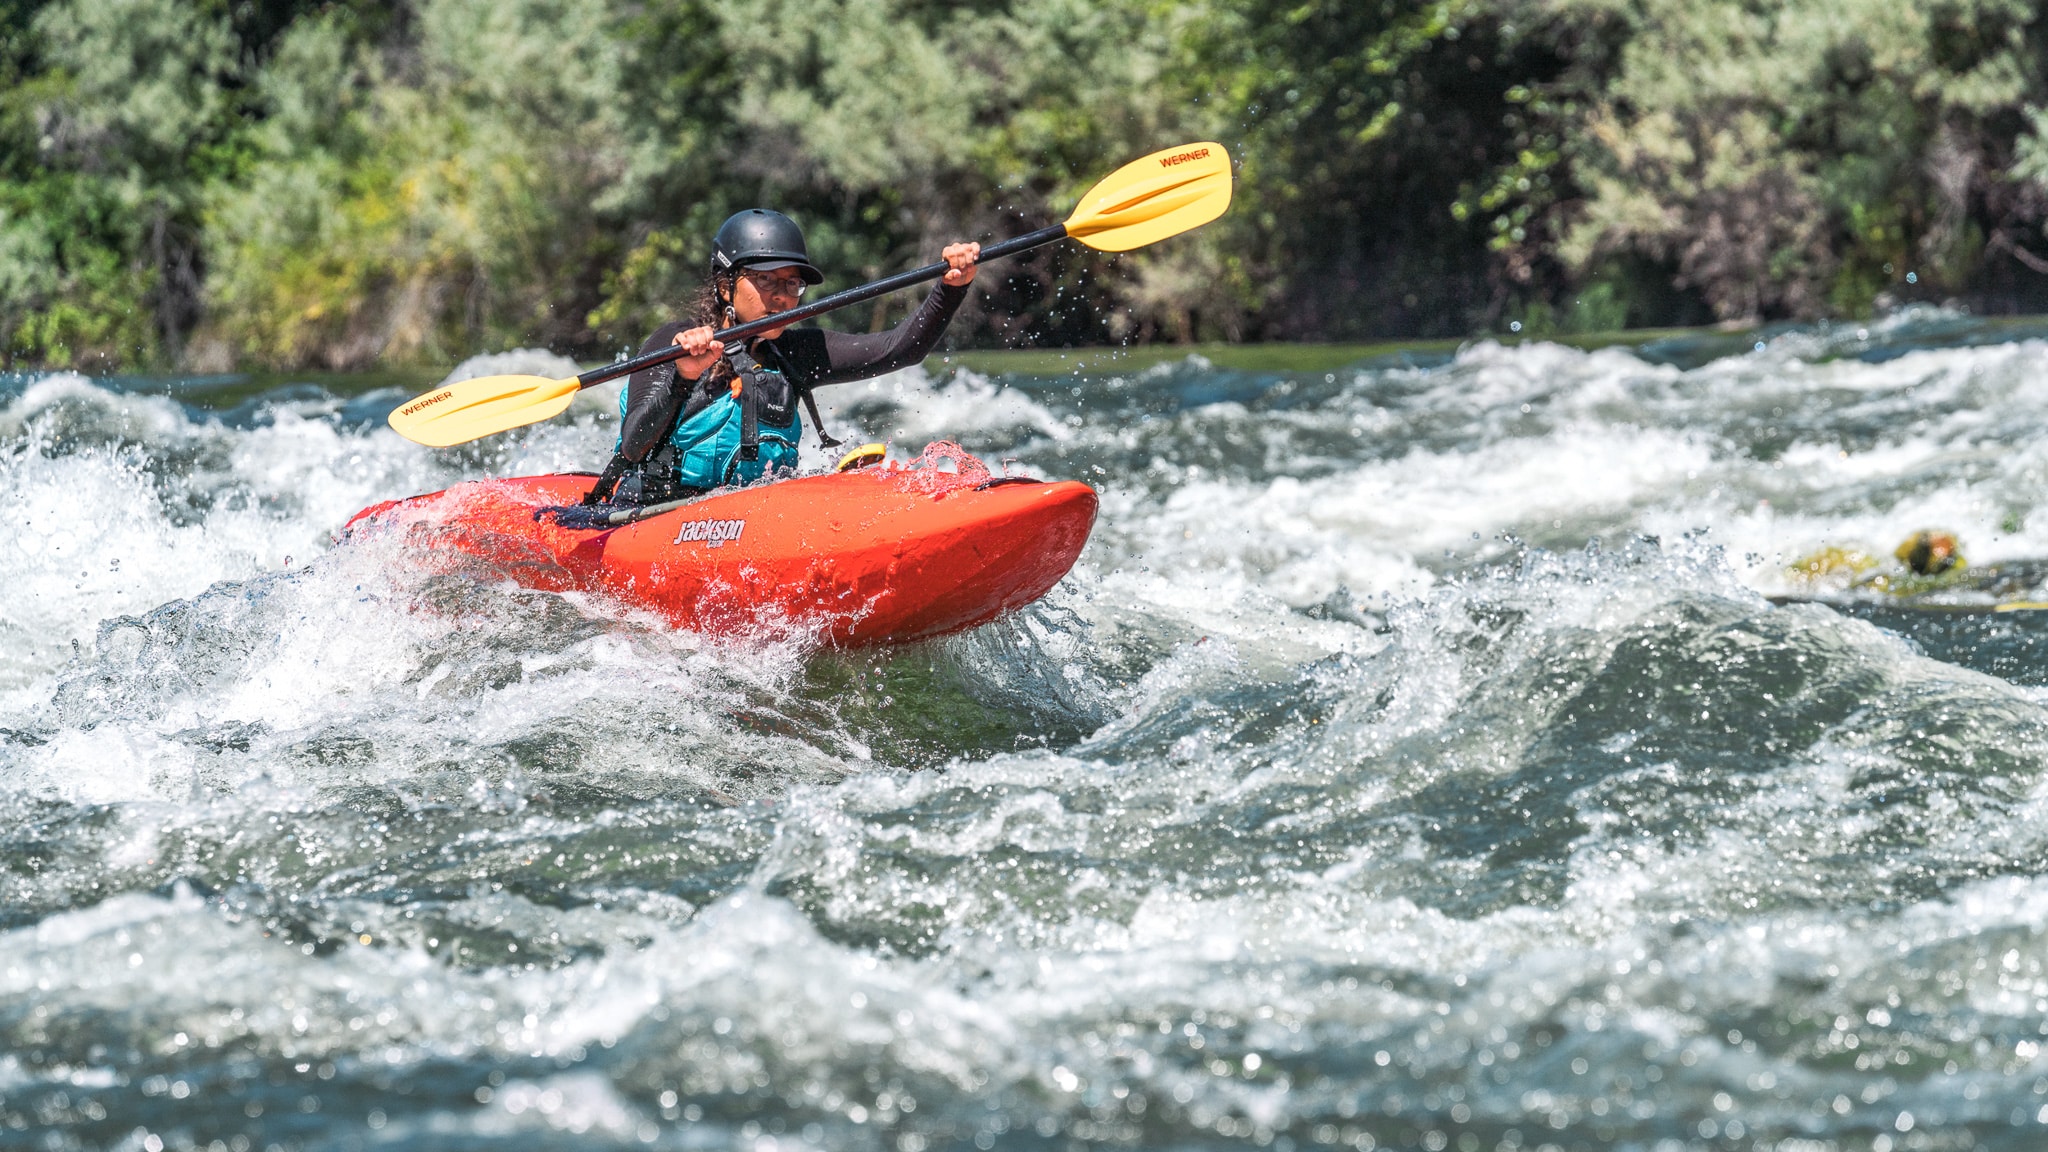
[[876, 555]]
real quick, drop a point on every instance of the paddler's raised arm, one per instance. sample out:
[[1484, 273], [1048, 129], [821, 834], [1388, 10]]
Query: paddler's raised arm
[[817, 357]]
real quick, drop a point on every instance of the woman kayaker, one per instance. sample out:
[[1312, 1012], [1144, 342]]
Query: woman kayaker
[[712, 419]]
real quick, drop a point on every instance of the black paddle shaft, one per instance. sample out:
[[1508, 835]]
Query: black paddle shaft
[[824, 304]]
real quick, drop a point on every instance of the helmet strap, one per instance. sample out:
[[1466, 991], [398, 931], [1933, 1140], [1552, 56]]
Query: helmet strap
[[723, 285]]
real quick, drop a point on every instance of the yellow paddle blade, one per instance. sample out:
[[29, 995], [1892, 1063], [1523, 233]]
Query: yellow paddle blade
[[458, 413], [1154, 197], [862, 457]]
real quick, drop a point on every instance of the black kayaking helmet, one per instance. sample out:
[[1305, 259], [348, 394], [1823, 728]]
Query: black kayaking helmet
[[764, 239]]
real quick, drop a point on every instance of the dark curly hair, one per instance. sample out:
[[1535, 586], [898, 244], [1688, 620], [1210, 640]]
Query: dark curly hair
[[710, 306]]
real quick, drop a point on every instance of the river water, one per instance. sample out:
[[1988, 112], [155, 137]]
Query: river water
[[1414, 760]]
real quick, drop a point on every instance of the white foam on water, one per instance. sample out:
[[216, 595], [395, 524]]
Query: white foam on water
[[1556, 446], [1306, 789], [908, 409], [516, 362], [79, 406], [581, 1104], [86, 539], [98, 534], [1366, 529]]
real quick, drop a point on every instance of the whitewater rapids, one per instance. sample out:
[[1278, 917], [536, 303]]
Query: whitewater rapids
[[1414, 760]]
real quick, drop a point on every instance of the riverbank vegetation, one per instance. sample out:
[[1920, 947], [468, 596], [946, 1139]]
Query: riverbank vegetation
[[203, 184]]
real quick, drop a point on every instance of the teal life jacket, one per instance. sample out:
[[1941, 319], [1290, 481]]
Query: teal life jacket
[[739, 436]]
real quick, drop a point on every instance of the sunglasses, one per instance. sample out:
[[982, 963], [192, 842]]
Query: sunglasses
[[766, 283]]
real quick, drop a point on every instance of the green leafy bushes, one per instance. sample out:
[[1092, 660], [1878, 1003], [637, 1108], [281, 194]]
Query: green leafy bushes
[[195, 184]]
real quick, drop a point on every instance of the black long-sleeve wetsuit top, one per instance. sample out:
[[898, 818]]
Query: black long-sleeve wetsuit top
[[809, 356]]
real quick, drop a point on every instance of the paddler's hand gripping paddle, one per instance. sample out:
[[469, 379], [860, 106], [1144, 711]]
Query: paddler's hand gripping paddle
[[1149, 199]]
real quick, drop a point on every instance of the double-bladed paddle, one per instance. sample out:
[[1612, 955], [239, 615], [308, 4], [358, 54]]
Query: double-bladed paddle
[[1149, 199]]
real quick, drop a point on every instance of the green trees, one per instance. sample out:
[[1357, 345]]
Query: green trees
[[195, 184], [115, 116], [419, 185], [1801, 159]]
